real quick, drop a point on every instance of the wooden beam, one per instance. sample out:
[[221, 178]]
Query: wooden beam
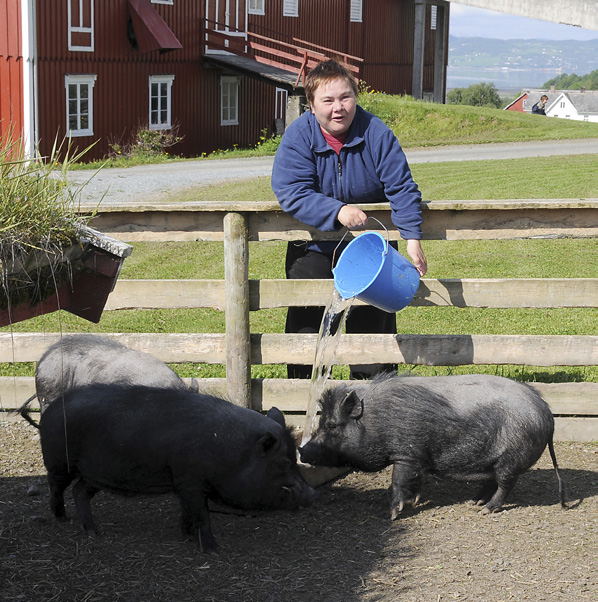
[[263, 294], [425, 350], [443, 220]]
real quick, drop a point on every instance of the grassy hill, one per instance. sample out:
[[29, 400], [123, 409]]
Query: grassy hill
[[419, 124]]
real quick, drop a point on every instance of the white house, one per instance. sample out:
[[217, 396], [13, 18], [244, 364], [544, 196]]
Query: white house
[[579, 106]]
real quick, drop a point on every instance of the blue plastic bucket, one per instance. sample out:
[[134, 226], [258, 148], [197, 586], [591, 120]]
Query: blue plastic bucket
[[376, 273]]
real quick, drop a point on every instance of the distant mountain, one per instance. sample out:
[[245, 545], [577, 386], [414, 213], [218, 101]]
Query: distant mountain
[[567, 56]]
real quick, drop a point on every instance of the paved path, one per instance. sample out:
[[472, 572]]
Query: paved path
[[153, 182]]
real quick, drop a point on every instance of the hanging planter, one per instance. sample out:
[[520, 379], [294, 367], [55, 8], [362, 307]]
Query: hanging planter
[[50, 258], [77, 278]]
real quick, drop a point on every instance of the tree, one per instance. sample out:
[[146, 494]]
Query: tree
[[476, 95]]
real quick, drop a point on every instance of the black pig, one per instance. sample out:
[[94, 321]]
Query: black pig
[[142, 440], [84, 359], [471, 427]]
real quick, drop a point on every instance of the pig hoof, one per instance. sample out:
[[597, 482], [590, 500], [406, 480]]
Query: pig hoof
[[394, 512], [486, 510]]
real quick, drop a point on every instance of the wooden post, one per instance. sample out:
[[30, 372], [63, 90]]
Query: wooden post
[[236, 274]]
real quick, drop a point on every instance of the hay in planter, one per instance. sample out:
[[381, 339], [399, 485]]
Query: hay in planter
[[39, 225]]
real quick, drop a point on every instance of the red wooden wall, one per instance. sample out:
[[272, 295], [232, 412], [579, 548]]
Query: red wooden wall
[[120, 95]]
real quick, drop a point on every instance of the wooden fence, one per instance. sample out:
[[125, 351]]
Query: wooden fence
[[574, 404]]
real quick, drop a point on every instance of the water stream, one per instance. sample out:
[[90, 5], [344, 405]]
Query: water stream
[[331, 329]]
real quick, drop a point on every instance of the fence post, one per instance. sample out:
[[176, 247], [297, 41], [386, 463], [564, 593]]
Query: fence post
[[238, 344]]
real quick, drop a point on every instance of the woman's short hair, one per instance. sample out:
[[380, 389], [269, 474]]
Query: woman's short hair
[[324, 73]]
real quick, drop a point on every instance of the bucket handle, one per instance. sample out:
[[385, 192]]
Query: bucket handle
[[347, 231]]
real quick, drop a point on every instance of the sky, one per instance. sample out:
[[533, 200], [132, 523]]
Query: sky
[[468, 21]]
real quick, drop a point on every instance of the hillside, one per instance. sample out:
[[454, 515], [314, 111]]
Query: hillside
[[568, 56]]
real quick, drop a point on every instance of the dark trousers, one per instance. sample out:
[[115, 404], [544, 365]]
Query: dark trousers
[[302, 263]]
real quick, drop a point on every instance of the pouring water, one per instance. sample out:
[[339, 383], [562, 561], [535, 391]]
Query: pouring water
[[331, 329]]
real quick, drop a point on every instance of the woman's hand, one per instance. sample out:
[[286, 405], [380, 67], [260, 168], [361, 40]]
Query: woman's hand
[[351, 216], [415, 251]]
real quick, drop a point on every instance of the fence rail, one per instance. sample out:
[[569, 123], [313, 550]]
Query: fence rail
[[574, 404]]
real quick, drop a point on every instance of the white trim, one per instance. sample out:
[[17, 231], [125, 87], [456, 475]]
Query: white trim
[[229, 88], [160, 79], [89, 81], [290, 8], [29, 54], [162, 1], [433, 16], [80, 28], [356, 11]]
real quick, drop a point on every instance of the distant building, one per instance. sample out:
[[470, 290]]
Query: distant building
[[579, 105]]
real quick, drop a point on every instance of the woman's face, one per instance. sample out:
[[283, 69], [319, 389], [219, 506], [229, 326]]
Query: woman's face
[[334, 106]]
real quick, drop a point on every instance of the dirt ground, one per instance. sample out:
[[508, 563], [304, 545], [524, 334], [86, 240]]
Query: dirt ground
[[342, 549]]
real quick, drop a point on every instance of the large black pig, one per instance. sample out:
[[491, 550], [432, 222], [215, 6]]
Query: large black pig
[[84, 359], [142, 440], [471, 427]]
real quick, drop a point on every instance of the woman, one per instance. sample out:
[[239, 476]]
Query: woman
[[337, 154]]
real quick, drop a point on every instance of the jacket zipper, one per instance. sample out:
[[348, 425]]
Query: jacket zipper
[[340, 178]]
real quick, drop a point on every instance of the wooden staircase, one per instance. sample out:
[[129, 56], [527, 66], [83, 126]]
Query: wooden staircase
[[286, 62]]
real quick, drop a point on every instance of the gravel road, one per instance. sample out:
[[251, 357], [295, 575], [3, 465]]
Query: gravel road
[[145, 183]]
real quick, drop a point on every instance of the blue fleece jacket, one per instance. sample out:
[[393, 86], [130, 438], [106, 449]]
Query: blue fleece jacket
[[312, 182]]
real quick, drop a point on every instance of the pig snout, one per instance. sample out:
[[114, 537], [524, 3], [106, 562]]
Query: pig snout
[[318, 454], [309, 453], [302, 494]]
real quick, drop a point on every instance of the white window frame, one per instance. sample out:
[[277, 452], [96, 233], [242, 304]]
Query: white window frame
[[229, 88], [81, 81], [158, 80], [162, 1], [290, 8], [80, 27], [256, 7], [280, 103], [356, 11]]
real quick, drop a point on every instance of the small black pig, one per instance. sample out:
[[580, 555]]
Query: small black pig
[[142, 440], [84, 359], [471, 427]]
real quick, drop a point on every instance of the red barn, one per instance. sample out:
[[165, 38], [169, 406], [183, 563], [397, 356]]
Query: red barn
[[218, 71]]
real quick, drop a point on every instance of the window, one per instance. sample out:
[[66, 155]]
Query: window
[[79, 104], [160, 117], [256, 7], [80, 24], [356, 11], [229, 100], [433, 17], [290, 8], [162, 1]]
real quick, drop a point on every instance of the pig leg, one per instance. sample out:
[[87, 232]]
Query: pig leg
[[500, 495], [58, 483], [485, 493], [405, 488], [82, 493], [196, 518]]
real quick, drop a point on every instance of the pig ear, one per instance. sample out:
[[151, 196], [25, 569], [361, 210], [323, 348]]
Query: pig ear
[[276, 415], [267, 444], [352, 406]]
